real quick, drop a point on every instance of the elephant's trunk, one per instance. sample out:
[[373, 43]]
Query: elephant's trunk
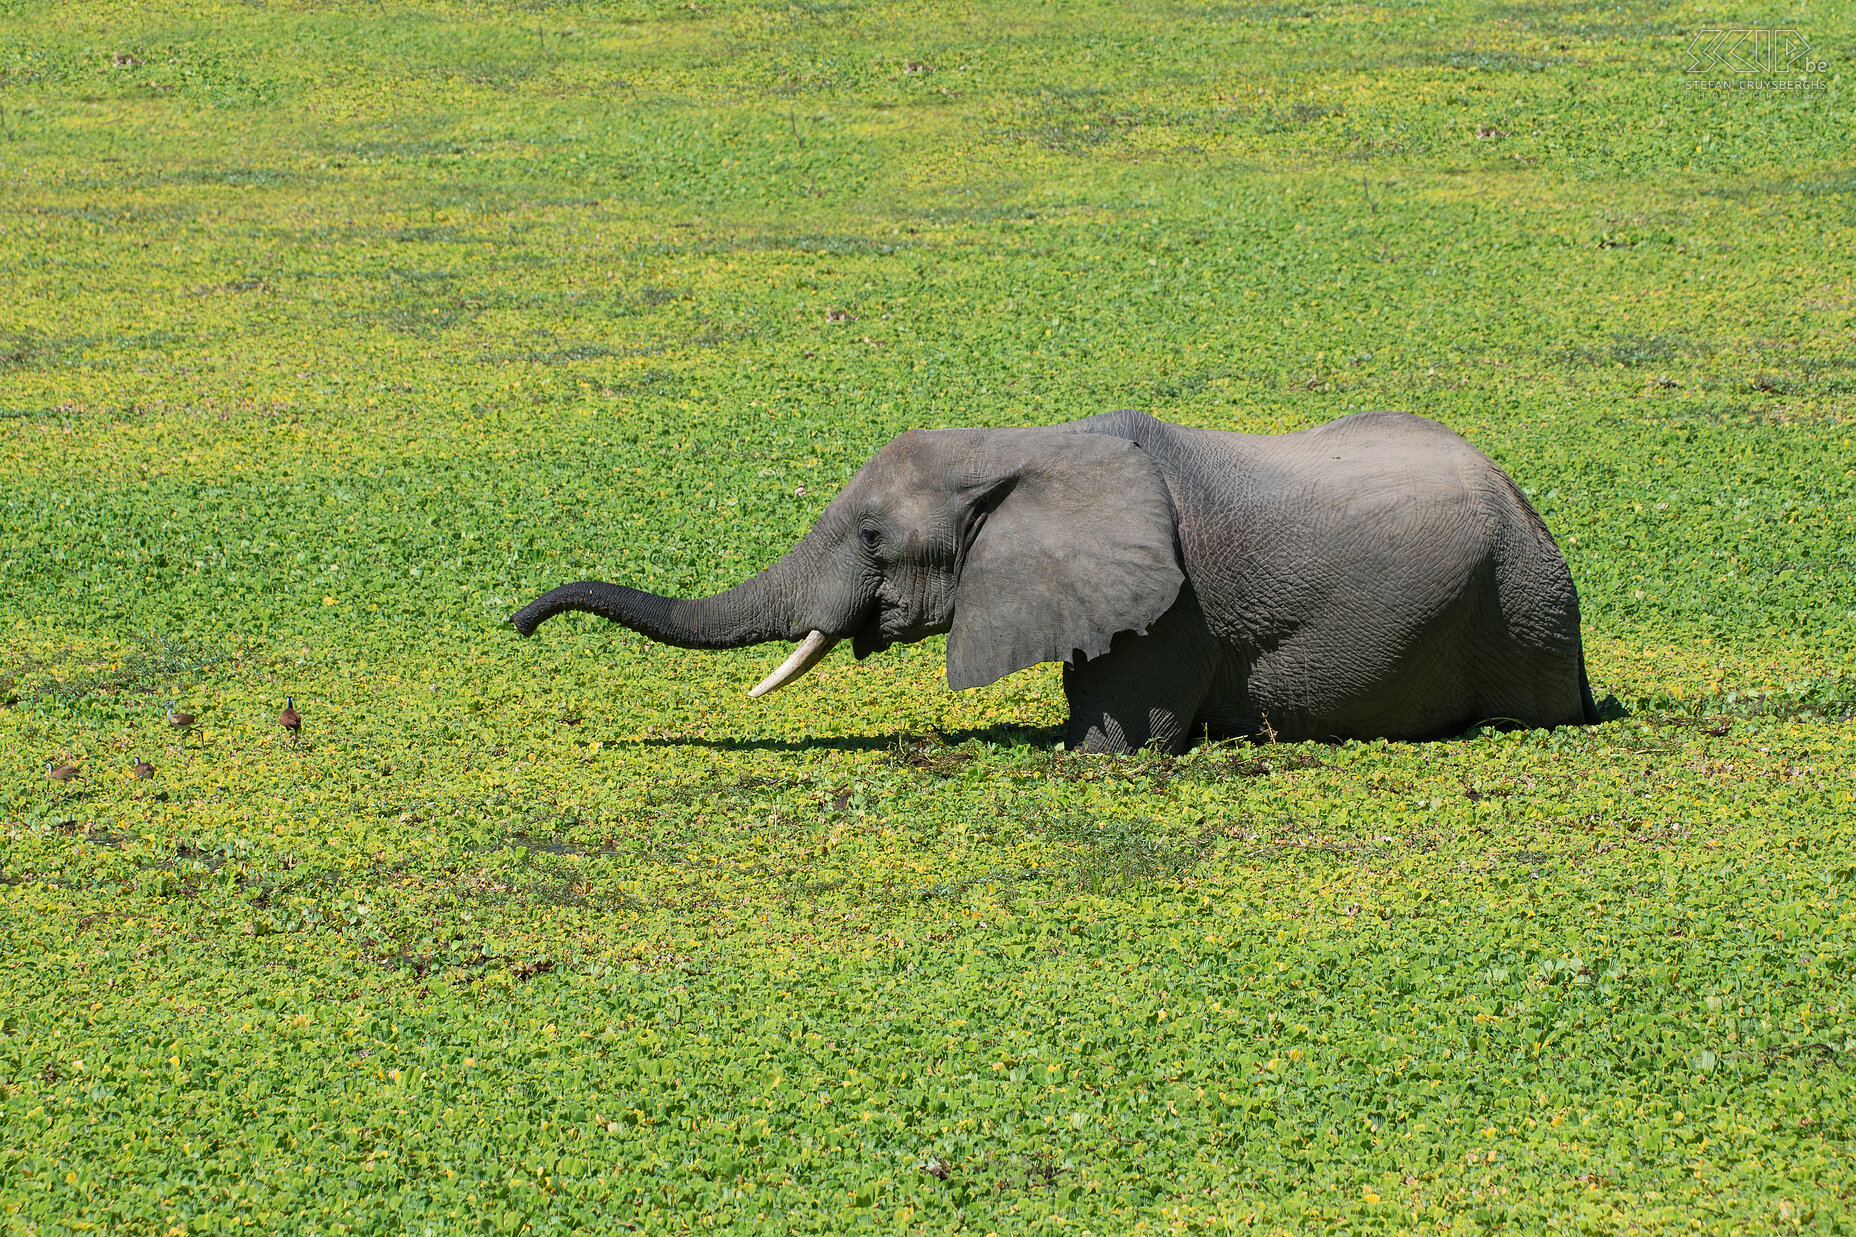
[[789, 599], [741, 616]]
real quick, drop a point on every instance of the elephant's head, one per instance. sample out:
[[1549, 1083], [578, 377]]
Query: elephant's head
[[1023, 545]]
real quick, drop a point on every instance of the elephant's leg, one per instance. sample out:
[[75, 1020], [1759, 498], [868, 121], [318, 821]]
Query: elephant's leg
[[1147, 689]]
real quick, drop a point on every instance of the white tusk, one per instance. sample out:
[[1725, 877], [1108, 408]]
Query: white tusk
[[807, 655]]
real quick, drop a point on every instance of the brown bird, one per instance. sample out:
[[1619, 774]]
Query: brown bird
[[291, 720], [142, 770], [60, 773], [182, 722]]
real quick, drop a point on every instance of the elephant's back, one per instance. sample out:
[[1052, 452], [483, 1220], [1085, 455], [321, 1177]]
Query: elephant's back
[[1381, 449], [1388, 492], [1399, 447], [1294, 512]]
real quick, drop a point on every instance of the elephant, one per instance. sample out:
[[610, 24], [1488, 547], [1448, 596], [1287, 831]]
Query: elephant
[[1373, 577]]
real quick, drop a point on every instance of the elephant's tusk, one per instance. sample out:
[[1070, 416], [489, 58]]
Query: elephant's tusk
[[806, 656]]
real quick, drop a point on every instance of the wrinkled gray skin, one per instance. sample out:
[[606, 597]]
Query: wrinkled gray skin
[[1375, 577]]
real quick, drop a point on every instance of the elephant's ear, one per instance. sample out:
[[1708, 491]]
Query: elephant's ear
[[1078, 545]]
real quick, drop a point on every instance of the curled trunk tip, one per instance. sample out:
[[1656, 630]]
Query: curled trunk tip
[[528, 618]]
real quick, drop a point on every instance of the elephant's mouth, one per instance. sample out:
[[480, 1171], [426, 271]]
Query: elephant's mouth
[[891, 621], [875, 631], [867, 642]]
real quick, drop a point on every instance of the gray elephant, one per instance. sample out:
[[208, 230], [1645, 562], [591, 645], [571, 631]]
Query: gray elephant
[[1375, 577]]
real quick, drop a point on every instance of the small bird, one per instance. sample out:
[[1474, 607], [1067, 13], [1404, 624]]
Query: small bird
[[182, 722], [60, 773], [142, 770], [291, 720]]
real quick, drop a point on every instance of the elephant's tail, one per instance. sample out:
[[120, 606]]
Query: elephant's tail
[[1585, 691]]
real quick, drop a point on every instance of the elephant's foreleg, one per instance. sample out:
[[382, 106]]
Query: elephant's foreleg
[[1146, 690]]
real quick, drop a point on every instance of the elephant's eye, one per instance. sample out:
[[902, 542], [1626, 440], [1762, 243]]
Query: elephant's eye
[[871, 539]]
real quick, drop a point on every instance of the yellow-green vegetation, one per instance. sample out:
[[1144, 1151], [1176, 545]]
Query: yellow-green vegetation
[[332, 333]]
